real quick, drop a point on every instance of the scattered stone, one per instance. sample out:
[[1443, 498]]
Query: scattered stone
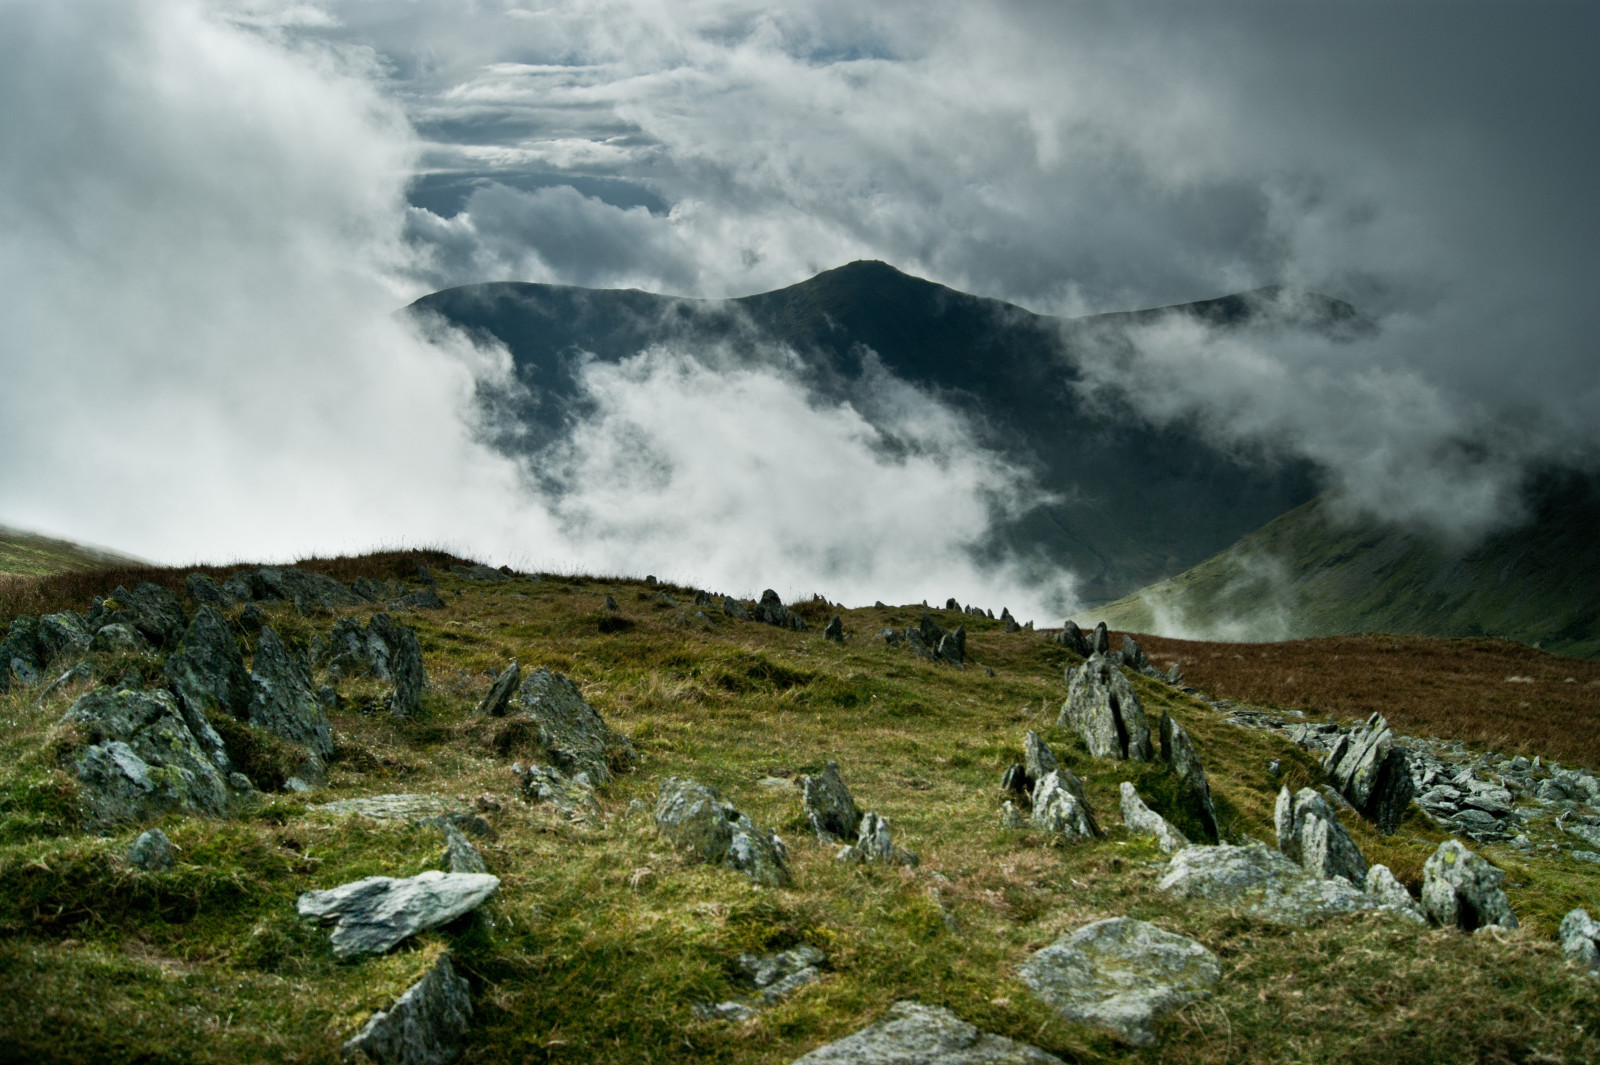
[[426, 1026], [1100, 642], [772, 611], [611, 604], [152, 851], [1071, 637], [1309, 833], [498, 699], [1178, 752], [1143, 821], [875, 843], [481, 573], [284, 703], [1370, 770], [735, 1012], [1262, 882], [574, 736], [1460, 889], [697, 818], [914, 1034], [373, 914], [1011, 817], [419, 809], [573, 796], [735, 609], [310, 592], [63, 634], [834, 630], [829, 806], [1580, 940], [777, 976], [1121, 974], [460, 856], [385, 650], [1059, 806], [149, 608], [1102, 707], [1382, 885], [204, 590], [890, 636]]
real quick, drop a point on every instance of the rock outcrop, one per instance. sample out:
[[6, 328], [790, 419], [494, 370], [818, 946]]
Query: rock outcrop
[[1392, 895], [875, 843], [1462, 890], [497, 700], [696, 818], [426, 1026], [574, 736], [372, 915], [383, 649], [1143, 821], [1177, 750], [460, 856], [1309, 833], [1059, 806], [207, 675], [152, 851], [573, 796], [1580, 940], [1103, 708], [1370, 770], [285, 704], [772, 611], [834, 630], [829, 806], [914, 1034], [1262, 882]]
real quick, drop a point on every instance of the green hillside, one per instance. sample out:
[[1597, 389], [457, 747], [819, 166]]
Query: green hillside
[[30, 554]]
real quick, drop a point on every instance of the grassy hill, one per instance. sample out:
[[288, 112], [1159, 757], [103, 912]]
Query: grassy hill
[[29, 554], [602, 936], [1307, 573]]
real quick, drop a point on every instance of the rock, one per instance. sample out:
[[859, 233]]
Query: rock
[[63, 634], [498, 699], [890, 636], [426, 810], [385, 650], [772, 611], [284, 702], [1143, 821], [952, 647], [1309, 833], [460, 856], [479, 573], [1058, 808], [1100, 642], [777, 976], [834, 630], [19, 652], [426, 1026], [1121, 974], [1133, 657], [1102, 707], [119, 637], [421, 599], [829, 806], [1580, 940], [309, 592], [914, 1034], [1391, 894], [735, 1012], [735, 609], [1011, 817], [1037, 758], [252, 618], [1016, 781], [150, 608], [152, 851], [1370, 771], [1262, 882], [573, 796], [574, 736], [1071, 637], [875, 843], [1460, 889], [1178, 752], [207, 675], [204, 590], [373, 914], [697, 819]]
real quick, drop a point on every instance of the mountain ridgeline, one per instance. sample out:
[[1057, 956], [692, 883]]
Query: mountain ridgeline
[[1123, 503]]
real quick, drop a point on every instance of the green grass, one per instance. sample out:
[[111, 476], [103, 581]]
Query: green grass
[[602, 936]]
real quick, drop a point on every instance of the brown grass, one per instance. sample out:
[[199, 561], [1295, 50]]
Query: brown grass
[[1459, 689]]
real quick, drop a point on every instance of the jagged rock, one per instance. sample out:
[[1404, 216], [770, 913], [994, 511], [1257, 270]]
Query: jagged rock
[[1059, 808], [952, 646], [573, 796], [1133, 656], [1370, 771], [421, 599], [142, 759], [697, 818], [373, 914], [63, 634], [829, 806], [19, 652], [1142, 820], [1016, 781], [204, 590], [834, 630], [781, 973], [1262, 882], [1102, 707], [1177, 750], [309, 592], [1037, 758], [1121, 974], [1580, 940], [460, 856], [1460, 889], [476, 572], [610, 603], [152, 851], [735, 609], [914, 1034], [1100, 642], [575, 737], [1309, 833], [736, 1012], [875, 843], [1071, 637], [498, 699], [952, 604], [426, 1026], [150, 608], [1010, 816], [377, 590], [772, 611], [1011, 623], [207, 675], [1391, 894], [284, 702], [119, 637], [385, 650], [252, 618]]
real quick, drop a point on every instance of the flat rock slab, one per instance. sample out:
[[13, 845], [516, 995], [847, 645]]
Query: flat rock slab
[[1262, 882], [1121, 974], [425, 1026], [398, 807], [374, 914], [914, 1034]]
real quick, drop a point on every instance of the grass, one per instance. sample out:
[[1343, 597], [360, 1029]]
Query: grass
[[602, 936]]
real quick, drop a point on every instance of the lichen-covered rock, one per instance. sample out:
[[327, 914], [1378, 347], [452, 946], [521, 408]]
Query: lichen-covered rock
[[460, 856], [1121, 974], [1462, 890], [575, 737], [875, 843], [119, 637], [829, 806], [1100, 642], [1071, 637], [426, 810], [207, 675], [735, 609], [385, 650], [772, 611], [1580, 940], [1370, 771], [1309, 833], [150, 608], [63, 634], [19, 652], [476, 572], [204, 590], [374, 914], [696, 818], [952, 647], [1102, 707], [498, 699], [284, 703], [1262, 882], [1060, 809], [1392, 895], [573, 796], [1177, 750], [426, 1026], [914, 1034], [310, 592], [1143, 821], [152, 851]]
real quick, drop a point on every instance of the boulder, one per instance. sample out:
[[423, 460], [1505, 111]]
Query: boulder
[[1059, 806], [1143, 821], [1072, 638], [1102, 707], [397, 657], [1392, 895], [574, 736], [460, 856], [433, 811], [1037, 758], [735, 609], [772, 611], [1178, 752], [1134, 658], [1309, 833], [1100, 642], [767, 970], [309, 592], [207, 675], [204, 590], [498, 699], [63, 634], [426, 1026], [952, 647], [696, 818], [149, 608], [1580, 940], [834, 630], [1121, 974], [374, 914], [1370, 771], [573, 796], [875, 843], [914, 1034], [19, 652], [152, 851], [119, 637], [1462, 890], [1261, 881], [284, 703], [829, 806]]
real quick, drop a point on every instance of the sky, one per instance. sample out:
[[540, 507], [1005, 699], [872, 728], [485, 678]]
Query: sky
[[211, 210]]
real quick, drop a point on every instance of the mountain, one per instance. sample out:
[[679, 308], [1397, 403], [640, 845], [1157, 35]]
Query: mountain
[[1309, 573], [31, 554], [1132, 504]]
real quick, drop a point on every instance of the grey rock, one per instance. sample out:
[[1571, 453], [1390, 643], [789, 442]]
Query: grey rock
[[119, 637], [1460, 889], [875, 843], [1262, 882], [421, 599], [574, 736], [734, 1012], [772, 611], [460, 856], [573, 796], [376, 590], [374, 914], [735, 609], [952, 647], [696, 818], [426, 1026], [385, 650], [1071, 637], [1102, 707], [309, 592], [498, 699], [787, 986], [914, 1034], [419, 809], [1143, 821], [890, 636], [1382, 885], [1134, 657], [284, 702], [1037, 758], [1100, 642], [152, 851], [834, 630], [207, 675], [204, 590], [1177, 750], [763, 970], [19, 652], [1058, 807], [150, 608], [1011, 817], [63, 634], [1580, 940], [829, 806], [1589, 834], [1309, 833], [1121, 974], [476, 572], [1016, 781], [610, 603], [1371, 771]]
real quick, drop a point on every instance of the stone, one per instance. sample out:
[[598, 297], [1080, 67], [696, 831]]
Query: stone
[[475, 572], [1309, 833], [1262, 882], [610, 603], [1100, 642], [1057, 809], [119, 637], [777, 976], [1143, 821], [875, 843], [309, 592], [431, 810], [62, 634], [1392, 895], [19, 652], [735, 609], [573, 796], [914, 1034], [1371, 771], [150, 608], [204, 590], [834, 630], [1121, 974], [1462, 890], [1102, 707], [1016, 781], [772, 611], [890, 636], [426, 1026], [386, 650], [373, 914], [1580, 940], [697, 818], [284, 703], [1133, 657], [1011, 817], [574, 736], [207, 675], [1177, 750], [498, 699], [1071, 637], [152, 851], [460, 856], [829, 806], [1037, 758], [735, 1012]]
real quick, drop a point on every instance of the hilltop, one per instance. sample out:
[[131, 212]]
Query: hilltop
[[30, 554]]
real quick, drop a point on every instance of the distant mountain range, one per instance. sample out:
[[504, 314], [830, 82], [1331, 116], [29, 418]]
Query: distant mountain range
[[1136, 503]]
